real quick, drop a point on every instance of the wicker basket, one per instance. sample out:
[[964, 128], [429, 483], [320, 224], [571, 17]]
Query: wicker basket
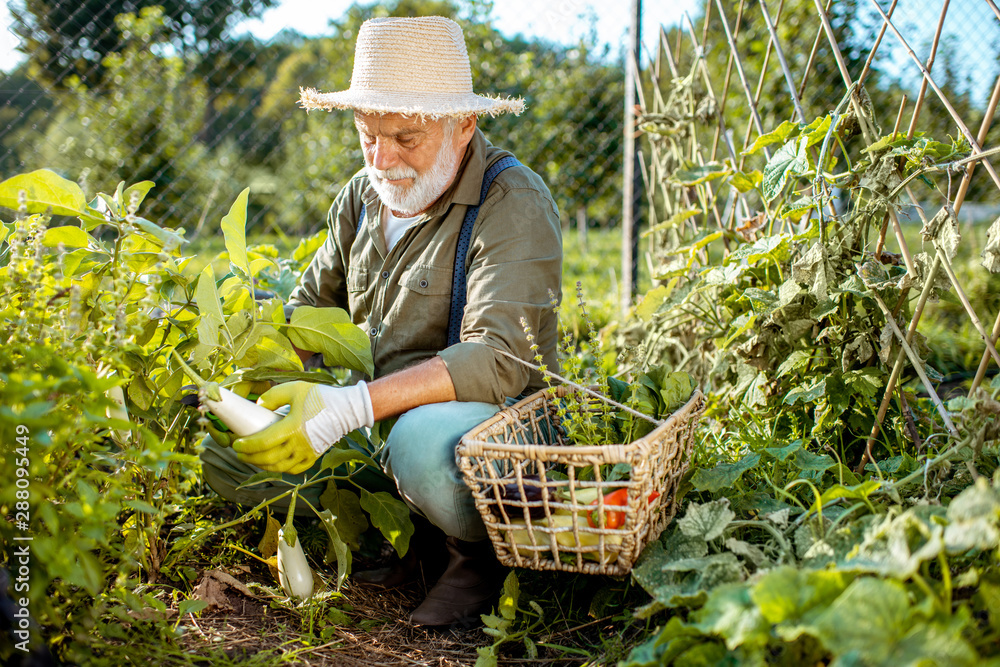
[[544, 521]]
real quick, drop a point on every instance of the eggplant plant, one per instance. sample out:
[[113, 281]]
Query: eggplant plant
[[139, 311]]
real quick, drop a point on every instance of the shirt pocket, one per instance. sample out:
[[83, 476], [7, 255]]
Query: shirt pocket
[[358, 282], [419, 318]]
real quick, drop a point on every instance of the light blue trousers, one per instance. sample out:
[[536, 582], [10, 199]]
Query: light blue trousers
[[418, 462]]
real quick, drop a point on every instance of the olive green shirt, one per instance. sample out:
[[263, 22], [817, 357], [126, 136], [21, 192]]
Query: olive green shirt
[[401, 297]]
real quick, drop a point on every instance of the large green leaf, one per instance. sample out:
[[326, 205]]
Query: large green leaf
[[973, 516], [778, 135], [67, 236], [167, 238], [391, 517], [872, 621], [788, 596], [234, 228], [706, 521], [346, 508], [139, 190], [730, 613], [44, 190], [270, 350], [331, 332], [724, 475], [789, 160], [865, 618], [662, 570], [207, 299], [897, 546]]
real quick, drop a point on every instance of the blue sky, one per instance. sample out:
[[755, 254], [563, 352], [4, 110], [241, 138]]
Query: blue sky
[[971, 28], [564, 21]]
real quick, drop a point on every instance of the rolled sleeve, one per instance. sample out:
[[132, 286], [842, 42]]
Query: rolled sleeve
[[515, 268]]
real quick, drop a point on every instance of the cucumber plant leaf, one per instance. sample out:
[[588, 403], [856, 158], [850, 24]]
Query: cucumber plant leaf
[[778, 135], [724, 475], [789, 160]]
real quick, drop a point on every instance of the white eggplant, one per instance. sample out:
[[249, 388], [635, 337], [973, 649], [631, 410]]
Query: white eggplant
[[293, 569], [242, 416], [119, 412]]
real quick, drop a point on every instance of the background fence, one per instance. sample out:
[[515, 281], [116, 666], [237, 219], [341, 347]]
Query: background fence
[[177, 97], [122, 91]]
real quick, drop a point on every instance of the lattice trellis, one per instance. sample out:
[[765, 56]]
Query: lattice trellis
[[682, 93], [204, 126]]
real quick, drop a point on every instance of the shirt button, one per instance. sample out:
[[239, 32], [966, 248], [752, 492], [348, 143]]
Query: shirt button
[[385, 275], [374, 331], [423, 283]]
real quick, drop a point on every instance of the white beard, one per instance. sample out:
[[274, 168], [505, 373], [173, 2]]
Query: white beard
[[425, 189]]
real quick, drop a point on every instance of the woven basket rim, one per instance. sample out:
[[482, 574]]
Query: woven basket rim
[[473, 438]]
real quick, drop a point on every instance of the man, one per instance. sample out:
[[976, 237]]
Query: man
[[394, 244]]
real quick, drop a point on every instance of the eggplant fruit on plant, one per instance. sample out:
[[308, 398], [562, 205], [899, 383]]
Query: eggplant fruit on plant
[[294, 574]]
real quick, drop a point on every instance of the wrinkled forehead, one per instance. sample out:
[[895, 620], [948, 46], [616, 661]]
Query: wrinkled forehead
[[394, 124]]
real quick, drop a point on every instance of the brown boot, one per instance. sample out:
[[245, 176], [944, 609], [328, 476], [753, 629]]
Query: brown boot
[[467, 588]]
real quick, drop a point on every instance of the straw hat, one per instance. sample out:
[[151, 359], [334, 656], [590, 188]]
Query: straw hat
[[413, 66]]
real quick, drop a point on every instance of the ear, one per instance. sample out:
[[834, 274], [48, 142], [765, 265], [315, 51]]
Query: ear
[[466, 128]]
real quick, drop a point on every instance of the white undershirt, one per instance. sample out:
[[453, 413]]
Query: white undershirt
[[394, 227]]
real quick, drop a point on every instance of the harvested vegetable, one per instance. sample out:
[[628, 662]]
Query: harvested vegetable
[[615, 518], [243, 417], [561, 527]]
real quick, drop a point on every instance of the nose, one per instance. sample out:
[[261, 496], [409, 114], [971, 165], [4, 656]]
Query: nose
[[384, 154]]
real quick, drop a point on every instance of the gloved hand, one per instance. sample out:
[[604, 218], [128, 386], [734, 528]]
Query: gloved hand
[[247, 389], [319, 417]]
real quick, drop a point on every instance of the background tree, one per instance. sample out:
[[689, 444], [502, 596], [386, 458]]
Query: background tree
[[72, 38]]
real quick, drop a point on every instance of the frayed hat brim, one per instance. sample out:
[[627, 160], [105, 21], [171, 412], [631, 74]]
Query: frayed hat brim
[[432, 105]]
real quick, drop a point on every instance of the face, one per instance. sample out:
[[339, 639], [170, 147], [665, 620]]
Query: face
[[410, 162]]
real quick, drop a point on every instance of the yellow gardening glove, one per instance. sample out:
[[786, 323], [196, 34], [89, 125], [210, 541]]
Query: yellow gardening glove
[[319, 417], [247, 389]]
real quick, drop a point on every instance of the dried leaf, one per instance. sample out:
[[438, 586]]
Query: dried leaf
[[269, 543], [942, 230], [882, 176], [211, 591], [748, 230], [991, 253]]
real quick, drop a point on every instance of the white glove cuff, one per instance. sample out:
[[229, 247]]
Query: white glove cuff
[[344, 409]]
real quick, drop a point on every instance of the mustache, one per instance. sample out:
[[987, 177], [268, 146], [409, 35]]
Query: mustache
[[393, 174]]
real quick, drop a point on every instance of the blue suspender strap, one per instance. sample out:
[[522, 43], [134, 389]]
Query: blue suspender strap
[[458, 280], [361, 221]]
